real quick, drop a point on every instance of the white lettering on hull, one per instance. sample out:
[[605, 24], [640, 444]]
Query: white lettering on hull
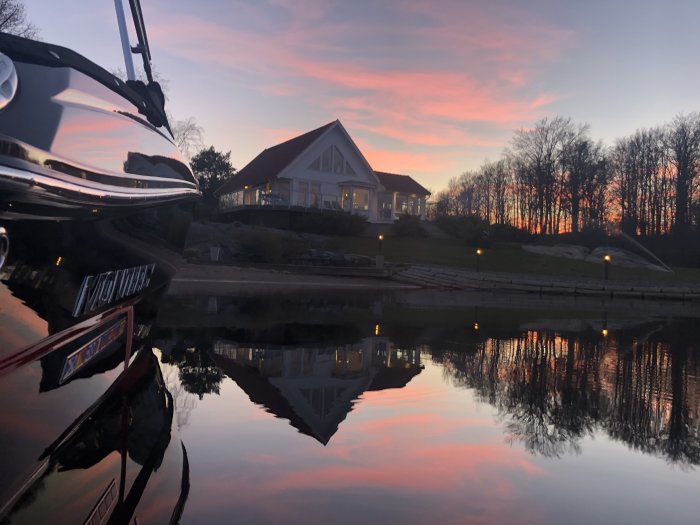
[[103, 289]]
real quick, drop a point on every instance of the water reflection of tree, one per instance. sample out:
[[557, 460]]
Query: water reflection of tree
[[183, 401], [197, 373], [655, 401], [552, 391]]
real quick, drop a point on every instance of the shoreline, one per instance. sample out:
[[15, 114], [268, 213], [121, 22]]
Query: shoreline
[[225, 280]]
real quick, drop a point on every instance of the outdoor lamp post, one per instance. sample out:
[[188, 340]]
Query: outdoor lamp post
[[380, 256], [479, 253], [606, 265]]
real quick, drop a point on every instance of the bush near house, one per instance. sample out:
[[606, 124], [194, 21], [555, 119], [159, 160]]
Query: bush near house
[[469, 229], [333, 223], [407, 226], [508, 233], [268, 246]]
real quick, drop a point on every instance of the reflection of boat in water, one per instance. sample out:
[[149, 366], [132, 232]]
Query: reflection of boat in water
[[98, 468], [95, 203]]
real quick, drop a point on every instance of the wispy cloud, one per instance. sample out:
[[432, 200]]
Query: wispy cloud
[[415, 75]]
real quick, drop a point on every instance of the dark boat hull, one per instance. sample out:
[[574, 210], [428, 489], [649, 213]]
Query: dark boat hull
[[95, 198], [95, 205]]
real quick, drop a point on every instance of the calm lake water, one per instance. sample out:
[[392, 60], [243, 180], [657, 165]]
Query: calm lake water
[[402, 409]]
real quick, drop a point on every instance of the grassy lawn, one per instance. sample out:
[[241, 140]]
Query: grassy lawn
[[497, 258]]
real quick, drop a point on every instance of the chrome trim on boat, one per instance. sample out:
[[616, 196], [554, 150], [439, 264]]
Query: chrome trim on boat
[[93, 189], [4, 246]]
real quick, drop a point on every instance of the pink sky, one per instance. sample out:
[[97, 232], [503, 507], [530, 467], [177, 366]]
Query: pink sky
[[430, 89]]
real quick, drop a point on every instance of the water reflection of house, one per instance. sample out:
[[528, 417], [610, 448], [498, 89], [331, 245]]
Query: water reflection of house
[[314, 388]]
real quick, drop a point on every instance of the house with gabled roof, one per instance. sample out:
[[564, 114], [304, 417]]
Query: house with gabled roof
[[322, 169]]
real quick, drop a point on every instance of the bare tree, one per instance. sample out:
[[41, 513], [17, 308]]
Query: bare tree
[[13, 19], [539, 155], [188, 135], [642, 182], [585, 177], [683, 143]]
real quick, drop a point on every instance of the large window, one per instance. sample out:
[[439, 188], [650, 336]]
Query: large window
[[355, 199], [282, 192], [360, 199], [302, 193], [408, 204], [332, 161], [401, 203], [347, 198], [385, 205], [314, 195]]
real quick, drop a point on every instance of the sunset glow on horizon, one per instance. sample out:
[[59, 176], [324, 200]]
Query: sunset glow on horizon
[[424, 88]]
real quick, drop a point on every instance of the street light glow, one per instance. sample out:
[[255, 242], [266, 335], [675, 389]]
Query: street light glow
[[607, 258], [479, 251]]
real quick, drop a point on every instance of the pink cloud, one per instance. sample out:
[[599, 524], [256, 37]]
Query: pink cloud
[[404, 162], [437, 78]]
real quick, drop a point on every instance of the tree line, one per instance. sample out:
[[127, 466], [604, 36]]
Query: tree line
[[555, 178]]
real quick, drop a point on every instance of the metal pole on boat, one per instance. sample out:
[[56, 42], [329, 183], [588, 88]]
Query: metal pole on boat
[[124, 35]]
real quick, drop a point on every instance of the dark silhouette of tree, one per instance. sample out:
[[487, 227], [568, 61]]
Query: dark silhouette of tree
[[683, 144], [642, 182], [539, 156], [585, 181], [212, 168]]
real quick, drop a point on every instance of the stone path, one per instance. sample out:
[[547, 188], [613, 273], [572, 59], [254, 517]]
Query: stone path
[[454, 278]]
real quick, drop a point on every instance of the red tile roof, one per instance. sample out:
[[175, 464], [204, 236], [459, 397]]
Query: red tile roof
[[400, 183], [268, 164]]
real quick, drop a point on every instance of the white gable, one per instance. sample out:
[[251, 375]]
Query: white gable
[[332, 160]]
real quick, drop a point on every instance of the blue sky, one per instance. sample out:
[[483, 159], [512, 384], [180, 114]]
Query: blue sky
[[427, 88]]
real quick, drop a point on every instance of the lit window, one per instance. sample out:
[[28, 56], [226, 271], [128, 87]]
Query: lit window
[[360, 199]]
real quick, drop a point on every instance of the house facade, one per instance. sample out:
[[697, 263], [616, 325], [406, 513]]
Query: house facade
[[323, 169]]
